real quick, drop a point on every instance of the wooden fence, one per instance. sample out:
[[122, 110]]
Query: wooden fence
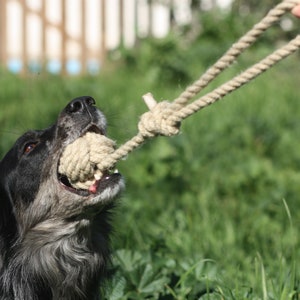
[[73, 36]]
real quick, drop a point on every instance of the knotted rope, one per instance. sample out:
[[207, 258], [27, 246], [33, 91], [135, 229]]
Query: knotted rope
[[164, 118], [80, 160]]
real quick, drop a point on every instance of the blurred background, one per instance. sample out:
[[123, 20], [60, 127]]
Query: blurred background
[[64, 36], [212, 213]]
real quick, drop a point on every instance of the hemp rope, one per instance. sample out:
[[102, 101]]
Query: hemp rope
[[164, 118]]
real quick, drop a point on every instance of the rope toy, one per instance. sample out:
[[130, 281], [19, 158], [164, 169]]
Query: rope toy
[[80, 159], [91, 155]]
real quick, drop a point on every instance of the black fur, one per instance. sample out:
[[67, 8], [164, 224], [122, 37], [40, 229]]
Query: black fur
[[54, 240]]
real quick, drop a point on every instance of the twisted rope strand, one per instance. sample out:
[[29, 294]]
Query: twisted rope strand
[[164, 118], [237, 81], [111, 159], [178, 115], [181, 112], [236, 49], [210, 98]]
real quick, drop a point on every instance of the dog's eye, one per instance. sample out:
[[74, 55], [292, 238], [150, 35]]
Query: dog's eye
[[29, 147]]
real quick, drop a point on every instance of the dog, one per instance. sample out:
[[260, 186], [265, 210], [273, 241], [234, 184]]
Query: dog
[[54, 239]]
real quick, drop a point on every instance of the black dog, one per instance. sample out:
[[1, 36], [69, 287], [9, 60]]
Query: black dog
[[54, 239]]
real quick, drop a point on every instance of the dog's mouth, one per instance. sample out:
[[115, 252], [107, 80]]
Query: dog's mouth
[[108, 180], [108, 185]]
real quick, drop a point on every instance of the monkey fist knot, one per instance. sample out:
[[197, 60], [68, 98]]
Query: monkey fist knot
[[82, 160], [158, 121]]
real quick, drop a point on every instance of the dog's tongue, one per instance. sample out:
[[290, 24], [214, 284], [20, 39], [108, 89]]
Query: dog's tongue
[[93, 187]]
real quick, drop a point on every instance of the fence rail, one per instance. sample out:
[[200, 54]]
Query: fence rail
[[73, 36]]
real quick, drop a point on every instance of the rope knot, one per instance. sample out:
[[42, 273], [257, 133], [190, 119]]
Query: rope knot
[[91, 156], [82, 160], [157, 121]]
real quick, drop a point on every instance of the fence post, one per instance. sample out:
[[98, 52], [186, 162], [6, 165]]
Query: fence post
[[150, 18], [83, 53], [103, 31], [63, 38], [44, 36], [24, 55], [3, 45], [121, 22]]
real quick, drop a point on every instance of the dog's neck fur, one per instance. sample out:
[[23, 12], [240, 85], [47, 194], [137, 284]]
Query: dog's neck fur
[[55, 253]]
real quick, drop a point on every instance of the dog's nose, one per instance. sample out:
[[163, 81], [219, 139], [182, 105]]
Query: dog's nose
[[80, 104]]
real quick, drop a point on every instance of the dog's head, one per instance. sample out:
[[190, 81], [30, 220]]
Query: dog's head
[[32, 191]]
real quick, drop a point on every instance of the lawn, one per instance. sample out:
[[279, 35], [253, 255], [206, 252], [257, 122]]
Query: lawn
[[212, 213]]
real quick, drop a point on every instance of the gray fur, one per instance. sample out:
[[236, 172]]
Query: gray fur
[[60, 247]]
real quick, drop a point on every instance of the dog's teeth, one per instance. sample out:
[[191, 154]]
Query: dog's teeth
[[97, 176]]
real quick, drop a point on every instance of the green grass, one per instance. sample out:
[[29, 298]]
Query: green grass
[[213, 209]]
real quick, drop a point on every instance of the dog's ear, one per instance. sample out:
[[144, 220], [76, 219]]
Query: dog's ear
[[8, 223]]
